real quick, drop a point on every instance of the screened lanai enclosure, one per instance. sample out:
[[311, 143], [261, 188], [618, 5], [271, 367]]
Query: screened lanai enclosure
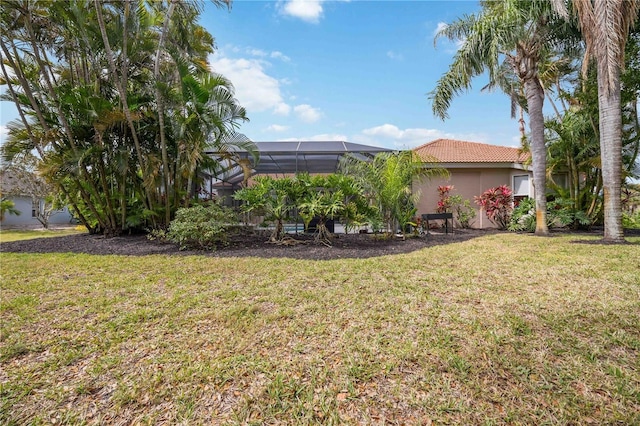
[[280, 159]]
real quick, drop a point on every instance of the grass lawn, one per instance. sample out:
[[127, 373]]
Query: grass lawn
[[501, 329], [29, 234]]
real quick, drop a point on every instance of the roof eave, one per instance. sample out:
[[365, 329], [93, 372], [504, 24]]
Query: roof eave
[[478, 165]]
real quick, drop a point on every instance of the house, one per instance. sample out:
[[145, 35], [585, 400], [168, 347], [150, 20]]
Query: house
[[473, 168], [27, 191]]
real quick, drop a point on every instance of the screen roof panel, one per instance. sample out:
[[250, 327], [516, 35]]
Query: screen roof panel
[[291, 157]]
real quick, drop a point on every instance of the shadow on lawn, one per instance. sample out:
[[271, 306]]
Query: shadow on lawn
[[352, 246], [627, 233]]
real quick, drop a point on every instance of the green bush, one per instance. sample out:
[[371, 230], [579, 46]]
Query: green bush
[[523, 217], [202, 227], [559, 214], [462, 211], [631, 221]]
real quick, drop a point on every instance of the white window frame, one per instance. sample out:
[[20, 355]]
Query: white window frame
[[513, 185]]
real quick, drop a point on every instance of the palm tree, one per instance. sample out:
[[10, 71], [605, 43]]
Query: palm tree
[[387, 182], [605, 28], [520, 33], [83, 76], [118, 80], [573, 148], [270, 198], [7, 207], [30, 34], [164, 16], [206, 119], [324, 202]]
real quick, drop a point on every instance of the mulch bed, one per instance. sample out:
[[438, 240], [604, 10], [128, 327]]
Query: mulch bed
[[304, 246], [354, 246]]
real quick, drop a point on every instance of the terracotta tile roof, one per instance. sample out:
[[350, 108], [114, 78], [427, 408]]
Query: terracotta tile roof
[[453, 151]]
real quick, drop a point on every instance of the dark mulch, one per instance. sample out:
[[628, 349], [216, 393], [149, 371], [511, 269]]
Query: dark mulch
[[304, 247]]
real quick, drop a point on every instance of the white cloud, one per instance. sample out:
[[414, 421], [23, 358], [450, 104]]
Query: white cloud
[[385, 131], [279, 55], [277, 128], [396, 56], [391, 135], [4, 131], [307, 113], [255, 89], [256, 52], [282, 109], [449, 46], [441, 26], [307, 10]]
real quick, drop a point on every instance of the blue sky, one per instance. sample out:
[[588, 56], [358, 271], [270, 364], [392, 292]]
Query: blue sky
[[357, 71], [346, 70]]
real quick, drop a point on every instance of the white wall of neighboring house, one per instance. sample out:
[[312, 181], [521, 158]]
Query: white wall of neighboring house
[[26, 219]]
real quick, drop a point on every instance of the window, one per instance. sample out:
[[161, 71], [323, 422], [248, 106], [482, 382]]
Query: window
[[35, 207], [561, 179], [521, 186]]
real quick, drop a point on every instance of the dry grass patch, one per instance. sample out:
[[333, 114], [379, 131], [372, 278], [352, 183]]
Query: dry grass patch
[[503, 329]]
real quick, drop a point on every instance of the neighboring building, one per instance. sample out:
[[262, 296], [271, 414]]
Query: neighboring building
[[12, 188], [474, 167]]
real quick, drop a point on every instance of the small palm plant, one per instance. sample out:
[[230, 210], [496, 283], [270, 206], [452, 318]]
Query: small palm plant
[[269, 197], [387, 181], [356, 210], [323, 205]]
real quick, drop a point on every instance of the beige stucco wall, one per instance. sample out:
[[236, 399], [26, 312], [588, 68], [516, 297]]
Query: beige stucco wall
[[467, 183]]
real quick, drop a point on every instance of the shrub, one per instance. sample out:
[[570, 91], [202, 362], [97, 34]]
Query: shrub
[[202, 227], [497, 203], [631, 221], [462, 210], [559, 213], [523, 217], [273, 198], [444, 203]]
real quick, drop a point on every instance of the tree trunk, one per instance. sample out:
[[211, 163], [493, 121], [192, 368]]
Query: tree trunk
[[24, 84], [535, 100], [160, 104], [17, 68], [123, 98], [611, 154]]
